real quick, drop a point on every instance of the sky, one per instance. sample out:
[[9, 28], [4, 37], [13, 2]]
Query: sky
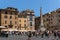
[[47, 5]]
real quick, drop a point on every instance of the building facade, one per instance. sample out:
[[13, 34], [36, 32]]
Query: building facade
[[37, 23], [9, 18], [26, 20], [51, 20]]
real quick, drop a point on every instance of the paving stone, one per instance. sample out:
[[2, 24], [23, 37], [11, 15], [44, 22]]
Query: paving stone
[[19, 37]]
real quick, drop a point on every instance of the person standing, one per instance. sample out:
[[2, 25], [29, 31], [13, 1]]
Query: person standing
[[55, 34], [47, 33], [29, 35], [58, 34], [42, 34]]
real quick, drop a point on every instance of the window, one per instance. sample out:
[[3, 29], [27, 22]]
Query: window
[[44, 20], [10, 25], [15, 26], [15, 17], [10, 22], [59, 15], [51, 18], [24, 20], [5, 22], [59, 20], [19, 16], [11, 13], [31, 18], [24, 25], [24, 16], [19, 20], [30, 23], [20, 25], [5, 16], [47, 19], [10, 17], [47, 24], [6, 13]]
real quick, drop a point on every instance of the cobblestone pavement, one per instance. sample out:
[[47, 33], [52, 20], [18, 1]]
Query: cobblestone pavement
[[19, 37]]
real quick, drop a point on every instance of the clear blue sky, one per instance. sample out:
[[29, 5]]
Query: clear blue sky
[[47, 5]]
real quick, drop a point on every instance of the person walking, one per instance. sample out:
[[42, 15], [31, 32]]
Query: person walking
[[55, 34], [29, 35], [42, 34], [47, 33]]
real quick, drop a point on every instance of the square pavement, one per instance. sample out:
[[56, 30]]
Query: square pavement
[[19, 37]]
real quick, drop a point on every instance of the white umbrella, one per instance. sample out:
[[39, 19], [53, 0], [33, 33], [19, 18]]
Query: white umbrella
[[4, 30]]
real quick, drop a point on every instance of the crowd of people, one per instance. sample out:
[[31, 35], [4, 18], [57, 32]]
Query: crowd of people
[[46, 33], [42, 34]]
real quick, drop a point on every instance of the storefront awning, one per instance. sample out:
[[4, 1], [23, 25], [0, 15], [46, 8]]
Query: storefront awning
[[2, 27], [26, 30], [23, 30], [9, 30], [12, 30], [31, 30]]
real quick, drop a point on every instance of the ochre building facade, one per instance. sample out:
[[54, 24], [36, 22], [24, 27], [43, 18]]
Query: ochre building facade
[[26, 21], [9, 18]]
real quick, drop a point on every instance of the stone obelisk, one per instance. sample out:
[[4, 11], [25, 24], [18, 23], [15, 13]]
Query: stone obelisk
[[42, 28], [41, 17]]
